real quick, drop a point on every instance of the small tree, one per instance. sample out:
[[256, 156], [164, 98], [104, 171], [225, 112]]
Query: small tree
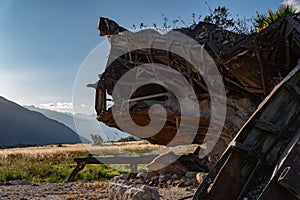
[[97, 139], [220, 17], [264, 20]]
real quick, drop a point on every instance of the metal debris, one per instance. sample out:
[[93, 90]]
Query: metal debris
[[250, 65], [263, 160]]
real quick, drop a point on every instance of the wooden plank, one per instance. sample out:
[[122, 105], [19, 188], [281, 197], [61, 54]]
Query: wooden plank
[[75, 171], [241, 146], [262, 69], [293, 88], [267, 126], [133, 161], [116, 160]]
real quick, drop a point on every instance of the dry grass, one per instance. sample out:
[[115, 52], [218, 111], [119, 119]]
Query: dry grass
[[43, 150], [53, 163], [106, 148]]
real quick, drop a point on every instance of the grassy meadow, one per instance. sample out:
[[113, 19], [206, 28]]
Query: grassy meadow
[[54, 163]]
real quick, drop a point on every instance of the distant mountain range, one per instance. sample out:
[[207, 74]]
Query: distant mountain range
[[21, 126], [85, 124]]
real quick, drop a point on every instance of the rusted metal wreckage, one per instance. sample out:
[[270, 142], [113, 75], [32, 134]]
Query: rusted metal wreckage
[[251, 66], [263, 161]]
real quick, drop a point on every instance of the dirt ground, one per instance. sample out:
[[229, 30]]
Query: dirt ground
[[77, 190]]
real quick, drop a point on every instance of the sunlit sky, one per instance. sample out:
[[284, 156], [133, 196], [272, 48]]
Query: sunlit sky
[[44, 42]]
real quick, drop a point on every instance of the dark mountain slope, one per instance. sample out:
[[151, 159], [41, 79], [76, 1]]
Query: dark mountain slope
[[20, 126]]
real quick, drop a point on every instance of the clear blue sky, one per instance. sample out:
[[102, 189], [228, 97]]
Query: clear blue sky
[[44, 42]]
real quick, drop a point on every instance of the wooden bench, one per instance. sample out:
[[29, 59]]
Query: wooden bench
[[133, 161]]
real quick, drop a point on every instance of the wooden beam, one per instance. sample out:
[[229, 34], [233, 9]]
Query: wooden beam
[[267, 126], [116, 160], [134, 161], [262, 71]]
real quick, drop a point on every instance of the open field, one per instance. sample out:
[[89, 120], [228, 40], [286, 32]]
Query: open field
[[54, 163]]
